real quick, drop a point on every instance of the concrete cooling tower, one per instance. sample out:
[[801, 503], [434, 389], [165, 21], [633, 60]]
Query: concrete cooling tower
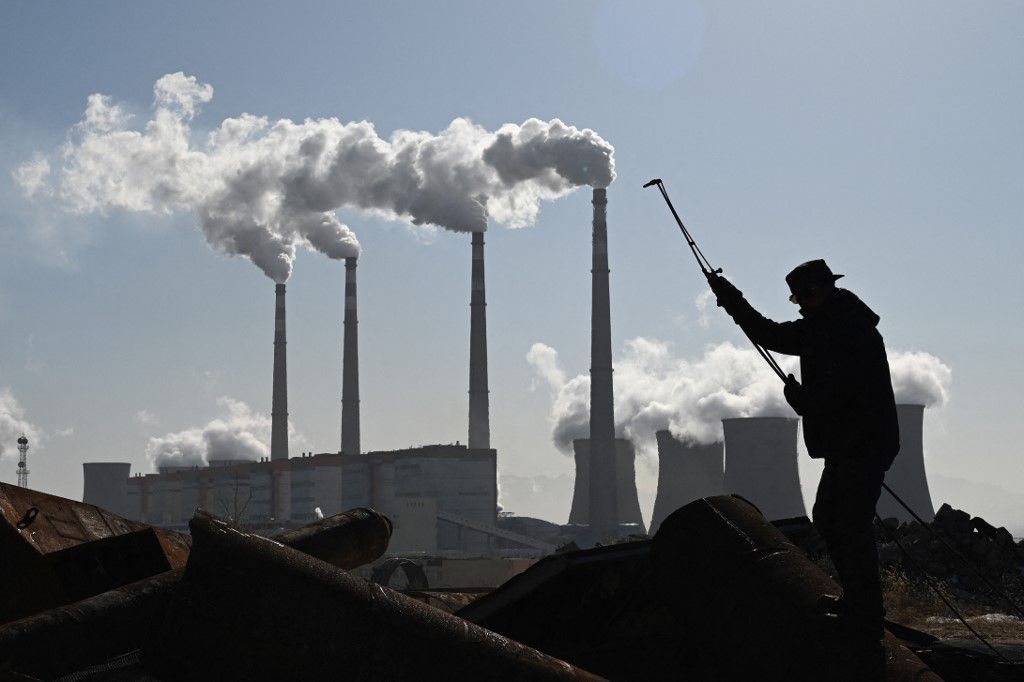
[[686, 472], [761, 464], [627, 500], [106, 485], [907, 476]]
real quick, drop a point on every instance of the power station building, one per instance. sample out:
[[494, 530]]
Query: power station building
[[440, 498]]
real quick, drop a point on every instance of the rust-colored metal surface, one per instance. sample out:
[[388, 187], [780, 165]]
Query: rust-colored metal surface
[[347, 540], [63, 640], [57, 551], [251, 608]]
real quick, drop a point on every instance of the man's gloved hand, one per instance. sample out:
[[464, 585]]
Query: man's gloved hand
[[794, 393], [726, 293]]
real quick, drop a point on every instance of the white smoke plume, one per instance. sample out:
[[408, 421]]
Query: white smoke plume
[[262, 188], [239, 433], [656, 390], [13, 423], [920, 378]]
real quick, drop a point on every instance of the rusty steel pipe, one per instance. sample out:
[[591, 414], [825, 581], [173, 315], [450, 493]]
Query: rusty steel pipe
[[347, 540], [250, 608], [63, 639], [750, 598]]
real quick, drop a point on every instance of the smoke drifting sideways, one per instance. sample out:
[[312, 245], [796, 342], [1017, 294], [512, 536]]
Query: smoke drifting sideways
[[238, 434], [656, 390], [262, 188], [13, 423]]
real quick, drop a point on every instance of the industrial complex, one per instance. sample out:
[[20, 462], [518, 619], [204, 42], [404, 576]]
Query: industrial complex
[[443, 498]]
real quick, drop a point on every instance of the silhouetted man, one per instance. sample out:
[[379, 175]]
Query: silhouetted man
[[849, 419]]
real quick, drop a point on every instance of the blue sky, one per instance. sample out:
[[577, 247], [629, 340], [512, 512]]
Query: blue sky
[[885, 137]]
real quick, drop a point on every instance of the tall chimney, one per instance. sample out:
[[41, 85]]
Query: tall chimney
[[350, 366], [479, 419], [279, 404], [603, 500]]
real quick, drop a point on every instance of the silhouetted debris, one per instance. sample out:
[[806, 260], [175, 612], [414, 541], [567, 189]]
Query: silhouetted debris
[[56, 551], [68, 638], [448, 601], [718, 594], [250, 608]]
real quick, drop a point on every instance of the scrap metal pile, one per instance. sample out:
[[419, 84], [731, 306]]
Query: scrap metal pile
[[718, 593]]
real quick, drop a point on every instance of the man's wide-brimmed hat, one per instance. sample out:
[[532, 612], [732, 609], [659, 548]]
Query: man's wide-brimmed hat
[[813, 273]]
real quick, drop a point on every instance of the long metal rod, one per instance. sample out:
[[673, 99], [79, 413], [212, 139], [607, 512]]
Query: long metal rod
[[710, 271]]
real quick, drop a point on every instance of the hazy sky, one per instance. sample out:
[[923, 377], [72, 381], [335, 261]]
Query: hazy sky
[[885, 137]]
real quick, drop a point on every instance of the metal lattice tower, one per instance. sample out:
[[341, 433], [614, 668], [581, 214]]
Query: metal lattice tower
[[23, 462]]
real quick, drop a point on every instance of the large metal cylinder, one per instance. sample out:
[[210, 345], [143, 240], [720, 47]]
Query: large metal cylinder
[[347, 540], [748, 599], [761, 464], [106, 486], [291, 618], [907, 475], [65, 639], [686, 472]]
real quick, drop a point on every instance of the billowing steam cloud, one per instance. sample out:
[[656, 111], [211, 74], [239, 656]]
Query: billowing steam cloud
[[261, 188], [239, 434], [655, 390], [14, 423], [919, 378]]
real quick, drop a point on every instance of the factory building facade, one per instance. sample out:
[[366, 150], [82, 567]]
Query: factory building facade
[[439, 497]]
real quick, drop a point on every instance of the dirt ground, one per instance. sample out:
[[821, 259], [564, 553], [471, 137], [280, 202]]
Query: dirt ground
[[912, 603]]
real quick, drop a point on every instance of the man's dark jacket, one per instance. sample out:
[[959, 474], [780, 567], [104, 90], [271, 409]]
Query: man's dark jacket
[[847, 402]]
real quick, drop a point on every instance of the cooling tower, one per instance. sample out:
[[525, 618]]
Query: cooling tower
[[907, 476], [106, 485], [761, 464], [479, 419], [350, 366], [603, 512], [686, 472], [279, 404], [626, 501]]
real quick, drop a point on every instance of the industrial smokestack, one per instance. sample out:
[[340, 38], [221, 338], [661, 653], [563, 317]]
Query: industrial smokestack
[[761, 464], [479, 418], [350, 366], [279, 404], [907, 476], [686, 472], [603, 501]]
